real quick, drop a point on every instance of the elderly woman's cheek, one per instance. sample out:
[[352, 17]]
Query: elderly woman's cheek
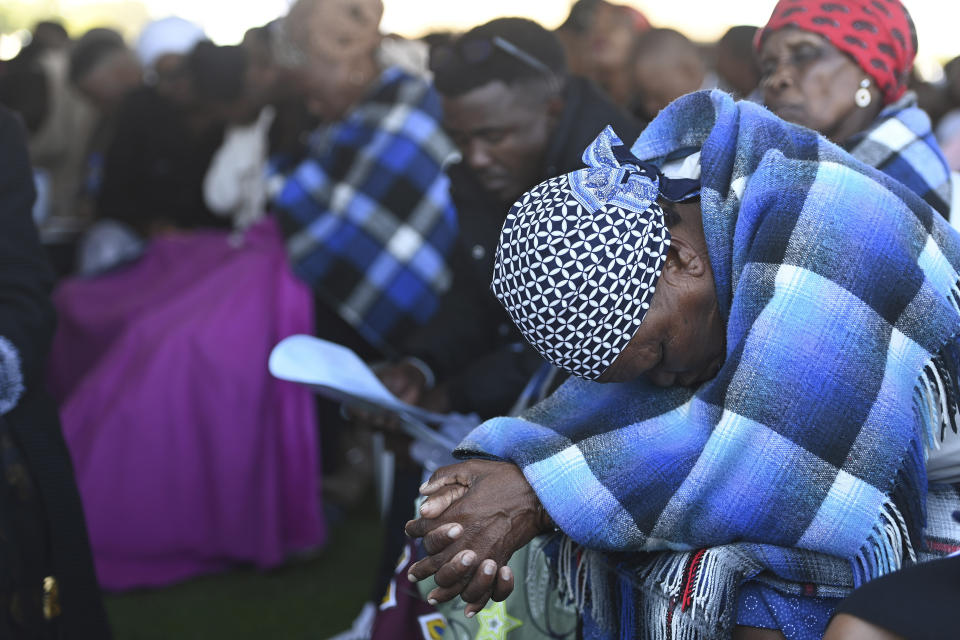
[[662, 378]]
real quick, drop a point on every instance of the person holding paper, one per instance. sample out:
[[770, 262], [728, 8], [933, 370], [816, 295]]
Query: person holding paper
[[517, 117]]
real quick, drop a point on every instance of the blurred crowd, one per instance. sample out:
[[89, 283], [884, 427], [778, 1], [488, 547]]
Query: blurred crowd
[[79, 96], [201, 202]]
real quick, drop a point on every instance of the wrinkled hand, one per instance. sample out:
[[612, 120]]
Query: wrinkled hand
[[475, 510]]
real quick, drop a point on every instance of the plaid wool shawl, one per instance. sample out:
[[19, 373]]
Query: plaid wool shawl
[[900, 142], [802, 461], [368, 213]]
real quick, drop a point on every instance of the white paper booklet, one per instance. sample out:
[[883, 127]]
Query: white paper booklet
[[336, 372]]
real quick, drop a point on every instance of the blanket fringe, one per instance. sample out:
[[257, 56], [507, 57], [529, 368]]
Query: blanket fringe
[[676, 596], [937, 390], [583, 580], [892, 543], [886, 547], [692, 595], [954, 296]]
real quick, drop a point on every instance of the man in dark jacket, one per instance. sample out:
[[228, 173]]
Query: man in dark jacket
[[517, 118], [47, 584]]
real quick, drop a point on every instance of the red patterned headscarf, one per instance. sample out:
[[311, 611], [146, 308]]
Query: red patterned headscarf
[[878, 34]]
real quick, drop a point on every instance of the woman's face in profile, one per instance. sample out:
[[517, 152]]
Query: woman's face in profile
[[681, 341], [808, 81]]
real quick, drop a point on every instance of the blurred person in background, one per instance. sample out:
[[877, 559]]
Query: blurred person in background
[[58, 145], [931, 96], [736, 63], [574, 35], [25, 90], [842, 69], [610, 44], [157, 158], [104, 70], [155, 142], [235, 185], [50, 34], [59, 121], [162, 48], [948, 129], [361, 197], [48, 588], [364, 203], [517, 116], [665, 65], [161, 363]]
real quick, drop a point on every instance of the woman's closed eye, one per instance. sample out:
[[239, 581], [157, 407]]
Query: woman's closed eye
[[800, 56], [803, 54]]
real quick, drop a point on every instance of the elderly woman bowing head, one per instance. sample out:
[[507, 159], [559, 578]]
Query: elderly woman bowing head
[[841, 68], [778, 322]]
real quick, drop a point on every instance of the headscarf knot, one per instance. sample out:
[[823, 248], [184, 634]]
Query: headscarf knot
[[614, 176]]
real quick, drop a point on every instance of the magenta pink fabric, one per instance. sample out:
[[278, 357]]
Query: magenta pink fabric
[[189, 456]]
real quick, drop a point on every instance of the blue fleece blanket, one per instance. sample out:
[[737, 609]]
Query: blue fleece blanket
[[801, 462]]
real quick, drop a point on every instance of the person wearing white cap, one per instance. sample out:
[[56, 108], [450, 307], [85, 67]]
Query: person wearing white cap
[[162, 46]]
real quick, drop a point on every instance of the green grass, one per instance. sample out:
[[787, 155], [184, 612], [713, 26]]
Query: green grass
[[309, 599]]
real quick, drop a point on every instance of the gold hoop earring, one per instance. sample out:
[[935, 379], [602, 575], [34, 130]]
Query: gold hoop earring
[[862, 97]]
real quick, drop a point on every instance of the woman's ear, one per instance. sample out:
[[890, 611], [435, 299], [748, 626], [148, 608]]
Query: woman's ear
[[683, 259]]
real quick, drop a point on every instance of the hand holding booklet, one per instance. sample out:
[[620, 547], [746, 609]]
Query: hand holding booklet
[[336, 372]]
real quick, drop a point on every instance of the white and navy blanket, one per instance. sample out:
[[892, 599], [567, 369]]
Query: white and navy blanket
[[802, 462], [900, 142]]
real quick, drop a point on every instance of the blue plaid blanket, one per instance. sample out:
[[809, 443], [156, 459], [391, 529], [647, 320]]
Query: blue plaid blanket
[[901, 144], [801, 463], [368, 213]]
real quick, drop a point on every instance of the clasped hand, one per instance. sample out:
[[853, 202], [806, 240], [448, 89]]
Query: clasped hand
[[476, 515]]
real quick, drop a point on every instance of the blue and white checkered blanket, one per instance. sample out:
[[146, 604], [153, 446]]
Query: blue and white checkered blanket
[[802, 462], [900, 143], [370, 210]]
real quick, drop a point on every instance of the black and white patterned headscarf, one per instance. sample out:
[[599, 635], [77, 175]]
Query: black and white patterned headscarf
[[580, 256]]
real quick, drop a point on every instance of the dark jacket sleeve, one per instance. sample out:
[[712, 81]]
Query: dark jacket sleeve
[[123, 190], [473, 348], [490, 385], [471, 343], [27, 322], [26, 314], [463, 328]]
